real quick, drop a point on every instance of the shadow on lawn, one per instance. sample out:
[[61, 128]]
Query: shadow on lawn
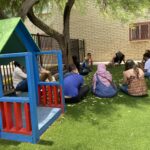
[[90, 106], [93, 106]]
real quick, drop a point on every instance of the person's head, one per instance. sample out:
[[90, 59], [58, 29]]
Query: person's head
[[146, 56], [89, 55], [130, 64], [119, 54], [147, 51], [101, 68], [74, 58], [72, 68], [17, 64]]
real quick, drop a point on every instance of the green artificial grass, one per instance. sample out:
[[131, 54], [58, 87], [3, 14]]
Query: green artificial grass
[[119, 123]]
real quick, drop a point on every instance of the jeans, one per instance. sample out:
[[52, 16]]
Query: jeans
[[147, 74], [22, 86], [124, 88], [82, 92]]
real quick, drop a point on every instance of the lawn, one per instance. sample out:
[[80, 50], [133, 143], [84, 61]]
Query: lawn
[[119, 123]]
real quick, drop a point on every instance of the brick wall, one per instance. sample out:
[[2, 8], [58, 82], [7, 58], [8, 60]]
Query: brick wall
[[103, 36]]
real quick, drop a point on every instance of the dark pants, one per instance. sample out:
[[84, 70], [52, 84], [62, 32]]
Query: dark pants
[[22, 86], [147, 74], [82, 92], [124, 88], [84, 71]]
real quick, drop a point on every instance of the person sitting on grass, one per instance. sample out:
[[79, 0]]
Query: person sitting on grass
[[74, 90], [19, 78], [142, 63], [45, 75], [76, 62], [90, 60], [147, 65], [117, 59], [103, 85], [133, 80]]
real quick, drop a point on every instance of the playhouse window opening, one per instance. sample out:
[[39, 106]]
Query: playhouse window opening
[[139, 31], [47, 63], [7, 70]]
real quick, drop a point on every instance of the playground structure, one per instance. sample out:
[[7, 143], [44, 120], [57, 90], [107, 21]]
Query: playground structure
[[25, 117]]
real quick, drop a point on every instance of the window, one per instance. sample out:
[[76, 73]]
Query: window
[[139, 31]]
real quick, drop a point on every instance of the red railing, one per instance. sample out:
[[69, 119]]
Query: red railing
[[50, 96], [16, 117]]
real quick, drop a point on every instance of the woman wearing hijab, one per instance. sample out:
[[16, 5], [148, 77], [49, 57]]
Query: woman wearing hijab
[[102, 83]]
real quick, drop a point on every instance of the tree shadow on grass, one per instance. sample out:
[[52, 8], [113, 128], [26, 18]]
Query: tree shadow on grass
[[88, 107], [92, 106], [131, 101]]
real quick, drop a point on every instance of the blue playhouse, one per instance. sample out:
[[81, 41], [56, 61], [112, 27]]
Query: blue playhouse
[[25, 118]]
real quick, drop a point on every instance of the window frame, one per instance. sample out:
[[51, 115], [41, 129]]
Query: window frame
[[132, 34]]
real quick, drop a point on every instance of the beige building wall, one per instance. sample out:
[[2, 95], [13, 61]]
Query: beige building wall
[[103, 36]]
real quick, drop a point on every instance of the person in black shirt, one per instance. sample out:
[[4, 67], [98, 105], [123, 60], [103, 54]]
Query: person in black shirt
[[118, 58]]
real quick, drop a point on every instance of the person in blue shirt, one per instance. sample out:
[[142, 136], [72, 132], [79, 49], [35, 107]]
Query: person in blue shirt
[[74, 90]]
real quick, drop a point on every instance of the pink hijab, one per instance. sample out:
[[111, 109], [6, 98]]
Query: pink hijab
[[103, 75]]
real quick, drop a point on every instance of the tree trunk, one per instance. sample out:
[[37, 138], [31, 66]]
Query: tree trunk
[[66, 31], [63, 39], [49, 31]]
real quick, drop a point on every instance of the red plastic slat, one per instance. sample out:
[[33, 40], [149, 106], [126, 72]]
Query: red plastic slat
[[27, 117], [60, 95], [18, 116], [3, 114], [50, 95], [44, 94], [39, 94], [55, 91], [8, 115]]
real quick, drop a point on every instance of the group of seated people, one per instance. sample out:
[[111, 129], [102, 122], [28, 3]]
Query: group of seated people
[[133, 83], [20, 77], [102, 86]]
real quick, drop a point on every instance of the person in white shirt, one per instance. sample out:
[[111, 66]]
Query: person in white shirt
[[147, 65], [19, 78]]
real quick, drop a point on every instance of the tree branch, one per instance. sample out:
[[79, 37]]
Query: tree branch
[[37, 22], [25, 7], [2, 15]]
